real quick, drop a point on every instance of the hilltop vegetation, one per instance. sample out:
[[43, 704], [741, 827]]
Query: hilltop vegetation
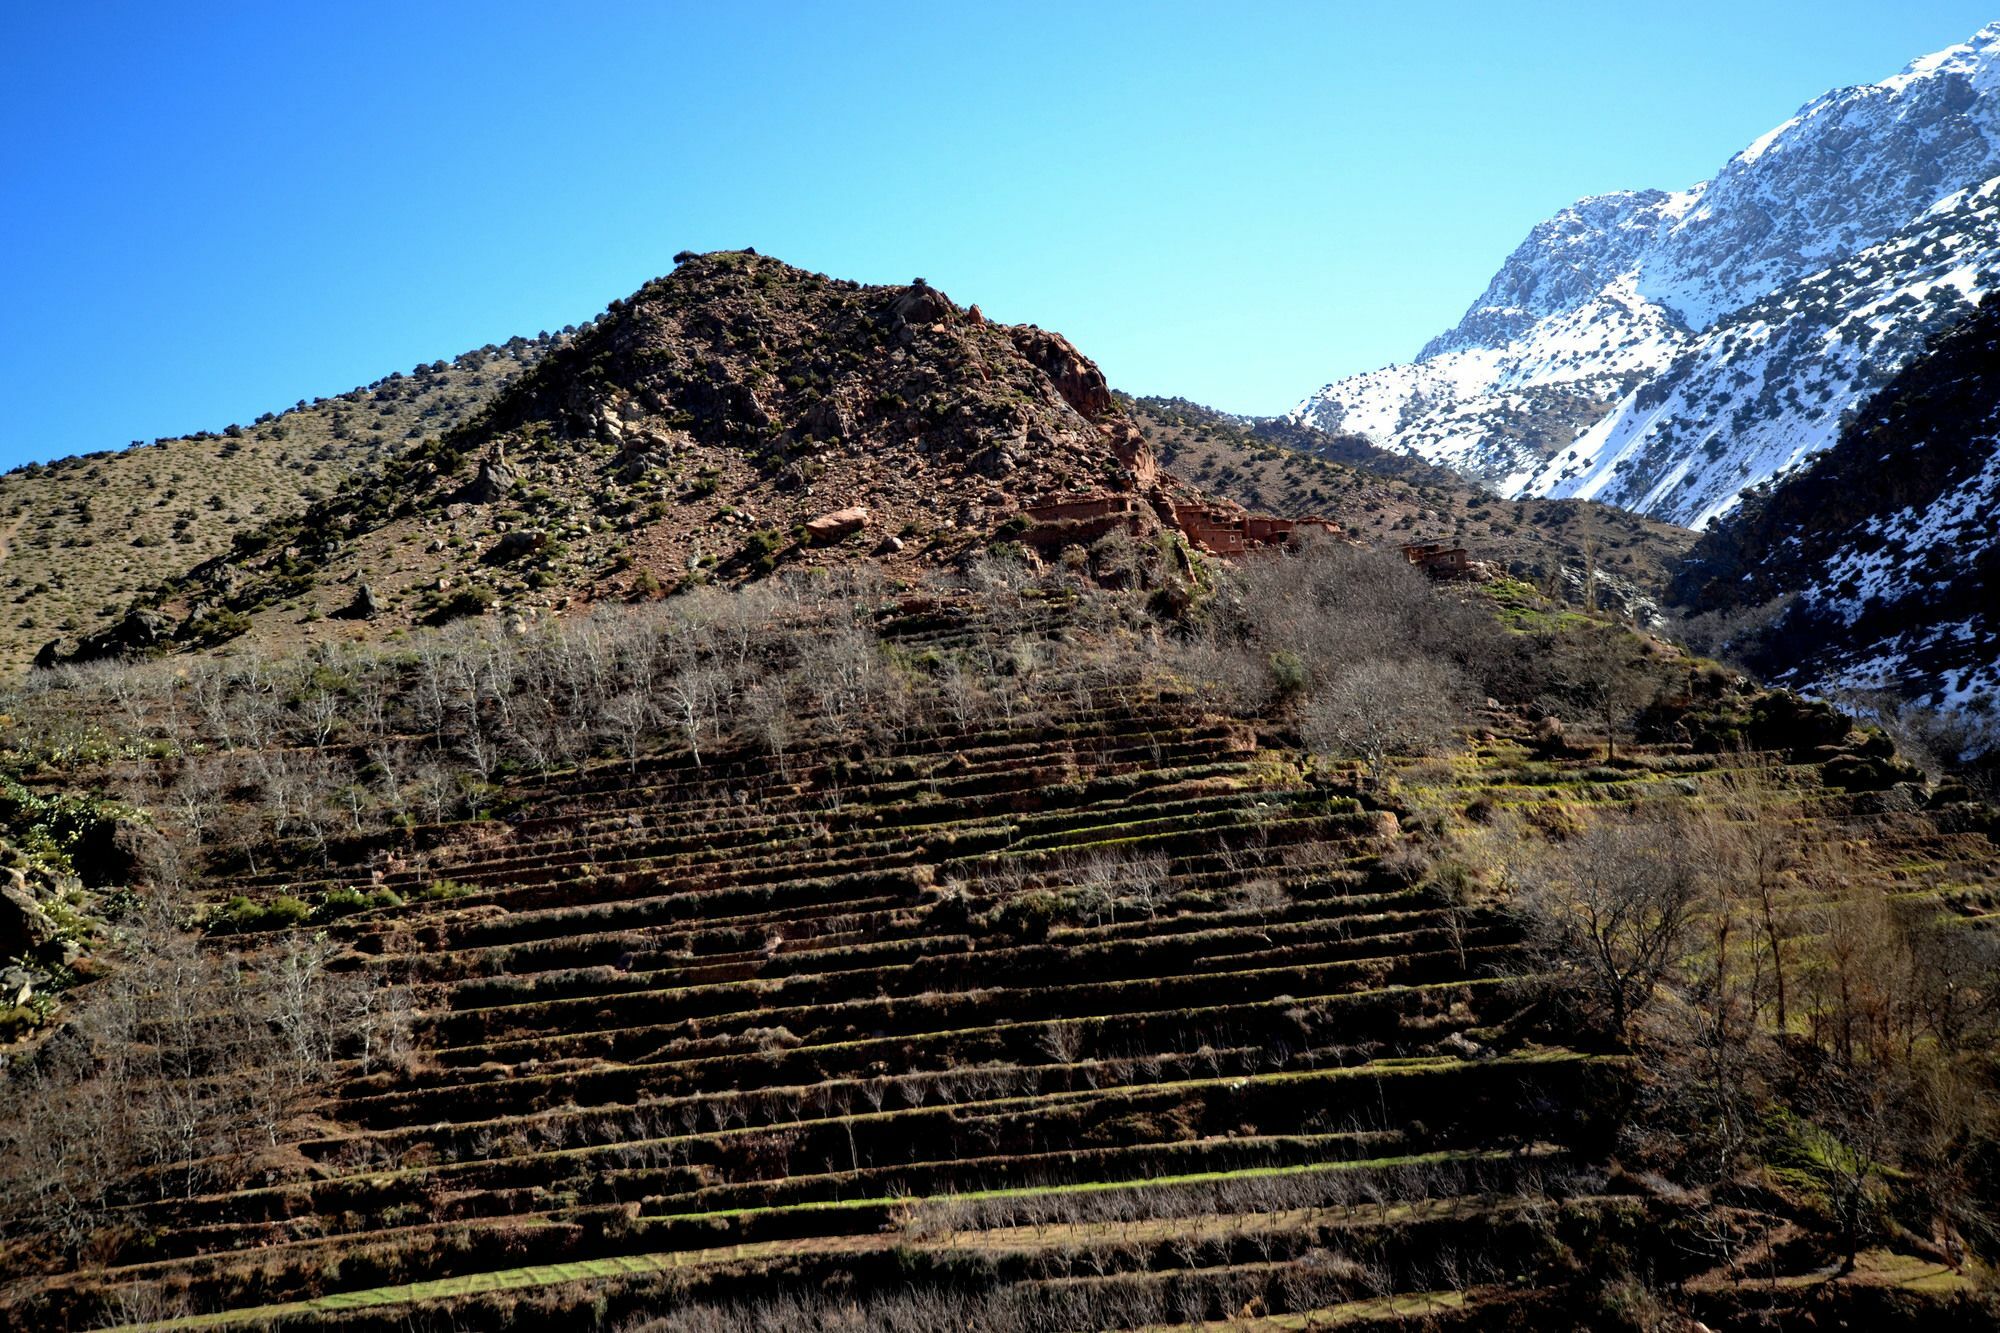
[[82, 539], [986, 949]]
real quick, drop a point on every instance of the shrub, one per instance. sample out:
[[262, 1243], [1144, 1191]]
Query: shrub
[[761, 551], [216, 626], [343, 901], [241, 913], [465, 602], [1027, 917], [1288, 673]]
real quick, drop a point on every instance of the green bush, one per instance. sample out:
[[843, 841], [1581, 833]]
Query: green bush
[[216, 626], [240, 914], [761, 551], [464, 602], [1288, 672], [342, 902], [1026, 918]]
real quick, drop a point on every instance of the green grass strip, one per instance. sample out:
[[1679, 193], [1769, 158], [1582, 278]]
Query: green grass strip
[[640, 1265]]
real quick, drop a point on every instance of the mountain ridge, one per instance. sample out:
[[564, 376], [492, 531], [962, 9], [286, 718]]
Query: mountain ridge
[[1620, 302], [695, 432]]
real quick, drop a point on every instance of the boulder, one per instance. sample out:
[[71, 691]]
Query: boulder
[[141, 630], [496, 478], [24, 926], [836, 525], [922, 304], [637, 465], [1130, 447], [996, 461], [516, 545], [1075, 376], [365, 606]]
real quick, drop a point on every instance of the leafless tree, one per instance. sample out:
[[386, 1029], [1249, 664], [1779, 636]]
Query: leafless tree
[[1382, 706], [1615, 909]]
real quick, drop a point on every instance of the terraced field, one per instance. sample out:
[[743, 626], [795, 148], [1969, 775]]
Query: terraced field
[[1129, 1016]]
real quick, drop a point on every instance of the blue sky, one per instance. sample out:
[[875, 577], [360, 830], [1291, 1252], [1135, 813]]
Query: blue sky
[[211, 211]]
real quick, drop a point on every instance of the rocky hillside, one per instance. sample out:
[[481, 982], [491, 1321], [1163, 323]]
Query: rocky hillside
[[1575, 550], [733, 417], [1878, 557], [82, 538], [1664, 351]]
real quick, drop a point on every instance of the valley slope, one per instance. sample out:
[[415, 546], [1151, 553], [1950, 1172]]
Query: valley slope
[[83, 538], [1576, 551], [1878, 559]]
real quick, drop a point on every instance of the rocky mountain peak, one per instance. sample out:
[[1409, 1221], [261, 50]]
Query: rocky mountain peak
[[1663, 351], [736, 347], [731, 416], [1564, 263]]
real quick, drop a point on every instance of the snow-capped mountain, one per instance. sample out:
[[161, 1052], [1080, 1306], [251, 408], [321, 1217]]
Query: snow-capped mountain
[[1874, 564], [1663, 351]]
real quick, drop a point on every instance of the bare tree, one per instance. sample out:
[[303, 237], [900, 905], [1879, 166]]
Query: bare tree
[[1615, 908], [1381, 706]]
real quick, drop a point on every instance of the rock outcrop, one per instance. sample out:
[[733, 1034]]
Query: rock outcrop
[[494, 481]]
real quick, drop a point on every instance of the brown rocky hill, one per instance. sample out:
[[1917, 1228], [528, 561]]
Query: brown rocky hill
[[82, 538], [733, 417], [1551, 543]]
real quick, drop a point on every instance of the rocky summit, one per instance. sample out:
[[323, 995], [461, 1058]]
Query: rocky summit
[[733, 417]]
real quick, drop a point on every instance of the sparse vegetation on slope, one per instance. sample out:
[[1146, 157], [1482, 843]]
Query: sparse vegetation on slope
[[1575, 551], [82, 539], [693, 434]]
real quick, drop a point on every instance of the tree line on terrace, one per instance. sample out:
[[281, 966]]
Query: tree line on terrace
[[1358, 651], [1796, 1027]]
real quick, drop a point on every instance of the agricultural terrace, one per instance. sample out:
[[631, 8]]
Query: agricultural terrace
[[1000, 953]]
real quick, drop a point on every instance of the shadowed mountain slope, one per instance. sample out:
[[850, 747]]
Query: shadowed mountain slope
[[1878, 558]]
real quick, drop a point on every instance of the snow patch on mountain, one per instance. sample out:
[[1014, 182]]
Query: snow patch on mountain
[[1770, 384], [1663, 351]]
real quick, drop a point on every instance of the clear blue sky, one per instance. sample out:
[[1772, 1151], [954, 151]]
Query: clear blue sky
[[213, 210]]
